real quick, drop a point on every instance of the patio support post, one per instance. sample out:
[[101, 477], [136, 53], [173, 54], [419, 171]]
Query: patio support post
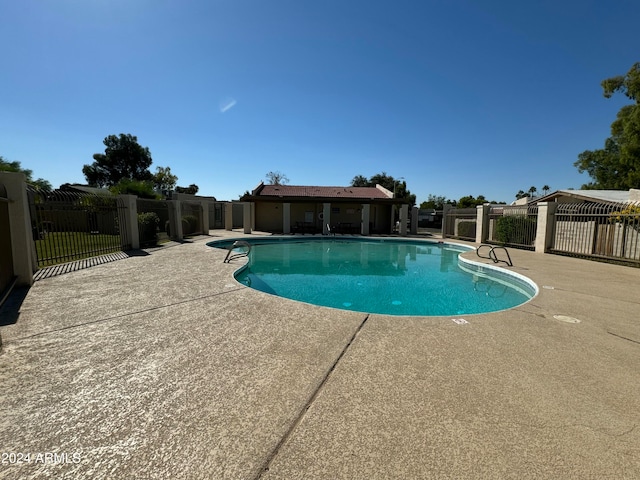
[[482, 222], [246, 217], [130, 214], [366, 213], [326, 217], [22, 244], [286, 218], [175, 220], [228, 216], [546, 226], [404, 214]]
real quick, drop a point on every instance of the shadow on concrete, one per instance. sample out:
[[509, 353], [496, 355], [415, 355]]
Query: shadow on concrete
[[10, 309]]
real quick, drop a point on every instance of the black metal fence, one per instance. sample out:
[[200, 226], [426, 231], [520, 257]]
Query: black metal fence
[[513, 225], [152, 230], [192, 218], [70, 226], [216, 215], [605, 231], [460, 223]]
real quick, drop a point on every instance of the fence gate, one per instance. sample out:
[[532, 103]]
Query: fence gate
[[513, 225], [6, 255], [609, 231], [70, 226]]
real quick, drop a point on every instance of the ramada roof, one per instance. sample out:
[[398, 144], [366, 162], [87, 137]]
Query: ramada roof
[[322, 192]]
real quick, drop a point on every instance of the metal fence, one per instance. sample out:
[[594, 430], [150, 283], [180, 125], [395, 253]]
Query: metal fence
[[68, 226], [513, 226], [460, 223], [151, 233], [607, 231], [192, 218], [216, 215]]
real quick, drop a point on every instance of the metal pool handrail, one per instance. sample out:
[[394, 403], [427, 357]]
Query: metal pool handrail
[[492, 254], [236, 244]]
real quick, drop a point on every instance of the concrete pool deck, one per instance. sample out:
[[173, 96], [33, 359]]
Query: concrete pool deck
[[161, 366]]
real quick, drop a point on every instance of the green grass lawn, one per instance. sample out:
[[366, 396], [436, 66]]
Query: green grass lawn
[[60, 247]]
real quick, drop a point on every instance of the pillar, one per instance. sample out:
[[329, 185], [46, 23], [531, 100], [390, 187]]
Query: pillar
[[205, 216], [286, 218], [175, 220], [366, 214], [326, 217], [228, 216], [130, 219], [246, 217], [482, 222], [404, 214], [22, 245], [414, 220], [546, 226]]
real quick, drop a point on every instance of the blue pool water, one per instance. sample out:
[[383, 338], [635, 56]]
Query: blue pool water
[[380, 276]]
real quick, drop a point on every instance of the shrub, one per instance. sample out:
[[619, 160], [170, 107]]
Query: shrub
[[189, 224], [517, 229], [148, 228], [467, 229]]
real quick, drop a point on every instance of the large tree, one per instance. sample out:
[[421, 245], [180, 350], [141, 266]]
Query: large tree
[[7, 166], [387, 181], [436, 202], [123, 158], [164, 180], [617, 165]]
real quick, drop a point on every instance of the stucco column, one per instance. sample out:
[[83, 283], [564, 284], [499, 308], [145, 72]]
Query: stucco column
[[326, 217], [246, 217], [175, 220], [286, 218], [228, 216], [482, 222], [414, 220], [23, 248], [445, 209], [546, 226], [366, 213], [404, 215], [205, 216], [130, 220]]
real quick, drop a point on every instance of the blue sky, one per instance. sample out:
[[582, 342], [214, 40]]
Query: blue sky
[[459, 97]]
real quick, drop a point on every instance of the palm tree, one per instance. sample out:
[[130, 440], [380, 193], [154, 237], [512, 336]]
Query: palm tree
[[532, 190], [520, 194], [545, 189]]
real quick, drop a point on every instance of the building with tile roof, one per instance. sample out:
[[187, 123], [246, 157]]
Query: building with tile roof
[[315, 209]]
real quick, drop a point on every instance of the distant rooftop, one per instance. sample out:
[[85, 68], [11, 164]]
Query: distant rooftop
[[377, 192], [613, 196]]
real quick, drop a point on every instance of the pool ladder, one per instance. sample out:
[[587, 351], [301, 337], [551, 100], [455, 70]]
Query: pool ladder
[[492, 254], [237, 244]]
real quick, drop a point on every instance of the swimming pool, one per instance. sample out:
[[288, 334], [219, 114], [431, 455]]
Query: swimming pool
[[386, 276]]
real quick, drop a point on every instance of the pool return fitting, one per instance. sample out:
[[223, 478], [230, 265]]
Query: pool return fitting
[[492, 254], [237, 244]]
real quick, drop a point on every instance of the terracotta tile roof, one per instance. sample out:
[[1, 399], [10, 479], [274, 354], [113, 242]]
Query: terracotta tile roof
[[320, 192]]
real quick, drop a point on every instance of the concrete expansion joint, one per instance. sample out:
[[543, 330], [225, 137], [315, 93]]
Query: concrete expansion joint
[[127, 314], [309, 404]]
